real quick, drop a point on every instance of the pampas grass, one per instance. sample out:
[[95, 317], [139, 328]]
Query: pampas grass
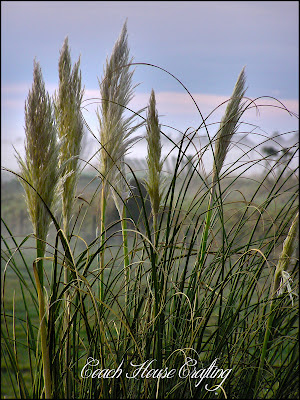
[[116, 90], [154, 162], [70, 133], [228, 127], [40, 166], [70, 129], [229, 124], [213, 279], [280, 274], [286, 254], [40, 175]]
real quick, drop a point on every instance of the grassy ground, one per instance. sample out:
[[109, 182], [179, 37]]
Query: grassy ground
[[239, 195]]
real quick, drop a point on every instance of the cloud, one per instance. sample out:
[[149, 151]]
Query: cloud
[[181, 104], [15, 88], [169, 102], [175, 109], [13, 96], [12, 103]]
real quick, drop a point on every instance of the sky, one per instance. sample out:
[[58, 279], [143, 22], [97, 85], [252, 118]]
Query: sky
[[204, 45]]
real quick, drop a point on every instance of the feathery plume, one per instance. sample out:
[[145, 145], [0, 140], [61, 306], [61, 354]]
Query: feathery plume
[[40, 170], [40, 166], [229, 124], [116, 91], [70, 128], [282, 278], [154, 179], [228, 127], [70, 132], [116, 138]]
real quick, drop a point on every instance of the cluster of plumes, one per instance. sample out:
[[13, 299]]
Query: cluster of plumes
[[40, 166], [229, 124], [116, 131], [70, 128], [154, 162]]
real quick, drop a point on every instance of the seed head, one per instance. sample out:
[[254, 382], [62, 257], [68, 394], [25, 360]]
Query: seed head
[[116, 131], [229, 123], [70, 127], [153, 181], [40, 166]]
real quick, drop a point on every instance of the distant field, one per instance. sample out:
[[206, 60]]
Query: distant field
[[240, 191]]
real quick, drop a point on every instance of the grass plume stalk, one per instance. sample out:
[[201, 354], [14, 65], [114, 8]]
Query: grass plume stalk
[[154, 162], [40, 170], [283, 262], [70, 132], [116, 91], [228, 127], [70, 128], [153, 183]]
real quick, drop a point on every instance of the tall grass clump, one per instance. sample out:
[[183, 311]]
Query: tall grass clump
[[40, 175], [198, 265]]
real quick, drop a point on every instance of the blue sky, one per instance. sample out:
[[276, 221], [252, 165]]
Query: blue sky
[[204, 44]]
